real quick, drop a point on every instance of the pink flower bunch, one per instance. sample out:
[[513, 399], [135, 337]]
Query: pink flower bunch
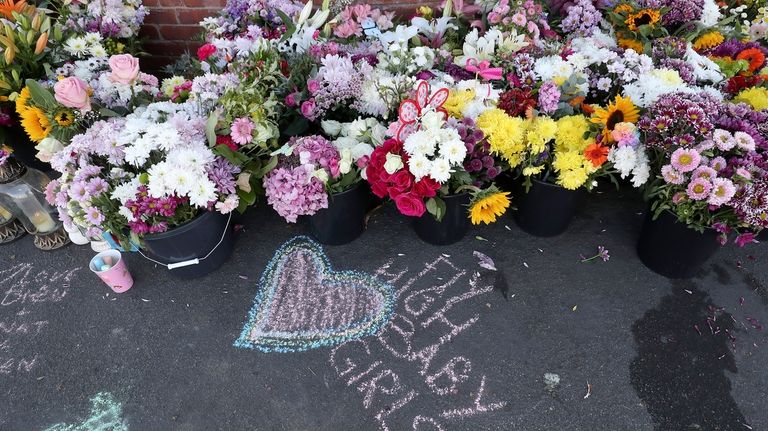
[[352, 19], [295, 191], [528, 18], [703, 183], [149, 212], [317, 151]]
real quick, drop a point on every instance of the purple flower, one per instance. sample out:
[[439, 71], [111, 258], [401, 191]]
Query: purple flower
[[96, 186], [746, 238], [94, 216], [722, 192], [223, 174], [685, 160], [78, 192], [671, 175], [704, 172], [549, 97]]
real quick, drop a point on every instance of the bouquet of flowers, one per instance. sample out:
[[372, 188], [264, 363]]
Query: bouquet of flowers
[[712, 166], [145, 173], [426, 160], [53, 112], [308, 170]]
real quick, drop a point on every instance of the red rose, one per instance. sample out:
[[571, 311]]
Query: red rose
[[226, 140], [426, 187], [205, 51], [410, 205], [402, 182]]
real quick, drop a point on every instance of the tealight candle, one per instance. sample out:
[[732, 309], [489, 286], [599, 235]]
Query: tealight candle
[[42, 221]]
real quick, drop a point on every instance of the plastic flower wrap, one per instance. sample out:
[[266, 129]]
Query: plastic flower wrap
[[145, 173]]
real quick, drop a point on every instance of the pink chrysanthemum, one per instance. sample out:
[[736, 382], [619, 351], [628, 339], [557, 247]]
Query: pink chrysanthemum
[[242, 129], [744, 141], [699, 189], [722, 192], [723, 139], [671, 175], [704, 172], [718, 163], [685, 160]]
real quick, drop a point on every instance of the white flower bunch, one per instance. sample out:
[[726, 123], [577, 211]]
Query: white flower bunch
[[704, 69], [86, 45], [399, 58], [354, 140], [654, 84], [434, 150], [382, 90], [478, 47], [632, 162]]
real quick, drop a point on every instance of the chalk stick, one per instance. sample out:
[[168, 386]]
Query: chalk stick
[[105, 267], [98, 263], [108, 260]]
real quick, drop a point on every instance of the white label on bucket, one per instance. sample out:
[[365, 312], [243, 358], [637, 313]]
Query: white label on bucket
[[183, 264]]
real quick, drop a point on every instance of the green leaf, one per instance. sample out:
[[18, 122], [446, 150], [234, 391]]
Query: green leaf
[[40, 95], [436, 207], [105, 112], [290, 27], [236, 158], [268, 167], [210, 128]]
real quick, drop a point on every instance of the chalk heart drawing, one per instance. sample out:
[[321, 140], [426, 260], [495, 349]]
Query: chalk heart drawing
[[302, 303]]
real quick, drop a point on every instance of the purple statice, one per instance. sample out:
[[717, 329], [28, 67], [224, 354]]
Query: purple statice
[[457, 72], [549, 97], [337, 84], [751, 204], [295, 191], [223, 174], [582, 18], [669, 47], [679, 115]]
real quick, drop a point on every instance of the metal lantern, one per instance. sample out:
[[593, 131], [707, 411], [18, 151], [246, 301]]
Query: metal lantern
[[21, 194]]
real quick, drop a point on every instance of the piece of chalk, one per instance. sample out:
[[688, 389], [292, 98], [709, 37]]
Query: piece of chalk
[[97, 262], [108, 260], [105, 267]]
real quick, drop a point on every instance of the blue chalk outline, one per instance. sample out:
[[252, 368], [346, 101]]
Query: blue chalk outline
[[372, 324]]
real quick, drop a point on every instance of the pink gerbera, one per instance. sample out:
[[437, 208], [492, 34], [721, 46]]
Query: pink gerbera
[[722, 191], [699, 189], [672, 176], [686, 160], [242, 129]]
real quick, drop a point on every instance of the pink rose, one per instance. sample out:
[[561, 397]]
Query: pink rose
[[72, 92], [308, 108], [410, 205], [125, 68], [313, 86]]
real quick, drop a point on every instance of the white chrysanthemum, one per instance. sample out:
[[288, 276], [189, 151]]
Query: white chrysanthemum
[[623, 159], [454, 151], [126, 191], [710, 14], [76, 46], [421, 142], [180, 181], [650, 86], [420, 166], [441, 170], [550, 67], [202, 192]]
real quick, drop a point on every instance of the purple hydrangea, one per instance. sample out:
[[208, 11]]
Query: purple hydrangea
[[549, 97], [582, 18]]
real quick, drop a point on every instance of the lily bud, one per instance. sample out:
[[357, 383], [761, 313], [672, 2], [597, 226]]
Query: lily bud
[[10, 54], [42, 42]]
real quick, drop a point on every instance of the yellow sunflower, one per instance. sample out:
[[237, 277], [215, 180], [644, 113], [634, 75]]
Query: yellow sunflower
[[22, 100], [623, 8], [64, 118], [627, 43], [708, 40], [488, 206], [641, 18], [35, 123], [621, 110]]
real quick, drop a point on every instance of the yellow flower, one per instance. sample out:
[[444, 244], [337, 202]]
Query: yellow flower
[[623, 8], [532, 170], [756, 97], [424, 12], [641, 18], [541, 131], [489, 206], [568, 160], [572, 179], [64, 118], [571, 132], [621, 110], [35, 123], [708, 40], [506, 134], [22, 100], [457, 101], [634, 44]]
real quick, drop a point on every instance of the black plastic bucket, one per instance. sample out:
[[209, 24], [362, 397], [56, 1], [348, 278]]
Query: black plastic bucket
[[453, 226], [547, 209], [344, 219], [194, 240], [672, 249]]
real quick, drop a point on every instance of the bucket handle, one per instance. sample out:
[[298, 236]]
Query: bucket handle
[[194, 261]]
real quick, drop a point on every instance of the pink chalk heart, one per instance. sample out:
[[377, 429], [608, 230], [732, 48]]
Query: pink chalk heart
[[303, 304]]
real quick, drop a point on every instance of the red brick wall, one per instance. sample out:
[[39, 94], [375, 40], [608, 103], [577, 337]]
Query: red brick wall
[[171, 27]]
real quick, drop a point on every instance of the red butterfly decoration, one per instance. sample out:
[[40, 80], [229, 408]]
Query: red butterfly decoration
[[411, 109]]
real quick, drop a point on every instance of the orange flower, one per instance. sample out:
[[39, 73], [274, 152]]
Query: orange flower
[[7, 7], [754, 56], [597, 154]]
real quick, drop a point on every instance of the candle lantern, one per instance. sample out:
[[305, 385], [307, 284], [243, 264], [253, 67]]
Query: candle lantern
[[22, 195], [10, 227]]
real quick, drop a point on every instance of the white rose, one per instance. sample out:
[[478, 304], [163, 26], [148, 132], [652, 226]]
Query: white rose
[[432, 120], [378, 134], [393, 164], [244, 182], [321, 175], [47, 148], [331, 127], [345, 164]]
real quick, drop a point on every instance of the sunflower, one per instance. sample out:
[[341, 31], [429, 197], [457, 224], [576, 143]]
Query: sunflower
[[627, 43], [35, 123], [22, 100], [622, 110], [623, 8], [708, 40], [642, 17], [597, 154], [64, 118], [754, 56], [488, 205]]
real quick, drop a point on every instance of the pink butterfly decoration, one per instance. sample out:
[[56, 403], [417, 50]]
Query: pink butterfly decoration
[[411, 109]]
